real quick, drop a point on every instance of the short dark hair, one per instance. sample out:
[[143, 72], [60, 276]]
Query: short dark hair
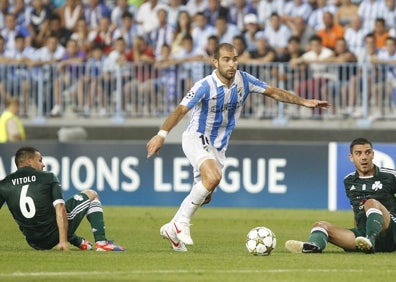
[[127, 14], [221, 46], [359, 141], [294, 38], [315, 38], [24, 153]]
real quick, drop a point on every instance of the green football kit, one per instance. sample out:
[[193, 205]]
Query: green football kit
[[381, 187], [31, 196]]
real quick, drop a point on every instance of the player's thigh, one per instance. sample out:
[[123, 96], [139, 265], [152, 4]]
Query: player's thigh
[[342, 237], [197, 149], [76, 207]]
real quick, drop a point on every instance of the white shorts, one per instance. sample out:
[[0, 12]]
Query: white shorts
[[198, 149]]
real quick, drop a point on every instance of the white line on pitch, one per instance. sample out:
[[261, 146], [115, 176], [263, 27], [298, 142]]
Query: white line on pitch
[[132, 272]]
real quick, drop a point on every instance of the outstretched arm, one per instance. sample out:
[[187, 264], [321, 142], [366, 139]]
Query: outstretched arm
[[288, 97], [61, 220], [155, 143]]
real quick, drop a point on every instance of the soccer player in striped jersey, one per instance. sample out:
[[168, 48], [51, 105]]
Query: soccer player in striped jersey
[[371, 192], [34, 198], [216, 102]]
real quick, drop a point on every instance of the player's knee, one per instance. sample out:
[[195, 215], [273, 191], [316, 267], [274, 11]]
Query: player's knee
[[321, 224], [371, 203], [212, 180], [92, 194]]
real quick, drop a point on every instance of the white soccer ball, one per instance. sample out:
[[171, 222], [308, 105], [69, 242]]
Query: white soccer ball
[[260, 241]]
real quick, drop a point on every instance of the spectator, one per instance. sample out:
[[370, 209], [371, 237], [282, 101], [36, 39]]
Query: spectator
[[293, 50], [385, 61], [163, 34], [263, 54], [342, 85], [315, 78], [196, 6], [95, 10], [380, 33], [315, 20], [44, 73], [294, 9], [11, 30], [237, 12], [331, 31], [80, 35], [71, 77], [174, 8], [369, 52], [4, 10], [17, 72], [3, 72], [127, 30], [265, 8], [277, 35], [55, 28], [94, 83], [251, 29], [214, 11], [365, 57], [212, 43], [191, 66], [140, 85], [224, 31], [122, 7], [183, 28], [70, 13], [389, 13], [11, 127], [167, 66], [345, 13], [369, 11], [240, 45], [21, 12], [201, 31], [147, 16], [303, 31], [103, 35], [354, 35], [117, 72], [38, 22]]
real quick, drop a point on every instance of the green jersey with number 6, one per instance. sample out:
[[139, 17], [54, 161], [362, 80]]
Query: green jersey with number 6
[[31, 196]]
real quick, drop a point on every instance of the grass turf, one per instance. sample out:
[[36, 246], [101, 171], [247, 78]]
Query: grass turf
[[219, 253]]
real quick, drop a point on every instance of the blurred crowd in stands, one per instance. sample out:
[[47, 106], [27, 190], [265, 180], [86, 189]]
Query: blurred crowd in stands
[[165, 33]]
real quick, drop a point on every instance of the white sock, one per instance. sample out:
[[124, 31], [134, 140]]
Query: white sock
[[191, 203]]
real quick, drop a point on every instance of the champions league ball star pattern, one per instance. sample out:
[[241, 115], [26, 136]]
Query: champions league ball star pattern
[[260, 241]]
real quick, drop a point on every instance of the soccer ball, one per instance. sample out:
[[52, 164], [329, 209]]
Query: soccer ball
[[260, 241]]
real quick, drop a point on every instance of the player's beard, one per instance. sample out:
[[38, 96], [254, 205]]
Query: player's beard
[[228, 74]]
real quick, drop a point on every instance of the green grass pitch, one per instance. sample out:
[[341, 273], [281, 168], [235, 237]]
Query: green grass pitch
[[219, 253]]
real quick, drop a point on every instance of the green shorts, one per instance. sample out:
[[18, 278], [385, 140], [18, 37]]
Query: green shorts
[[76, 209], [387, 241]]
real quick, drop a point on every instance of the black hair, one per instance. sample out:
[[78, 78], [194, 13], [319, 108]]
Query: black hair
[[24, 153], [359, 141]]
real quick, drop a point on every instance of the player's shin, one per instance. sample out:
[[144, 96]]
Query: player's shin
[[374, 223], [192, 202], [95, 218], [319, 237]]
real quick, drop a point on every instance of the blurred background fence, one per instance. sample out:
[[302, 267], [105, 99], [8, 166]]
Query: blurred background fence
[[356, 91]]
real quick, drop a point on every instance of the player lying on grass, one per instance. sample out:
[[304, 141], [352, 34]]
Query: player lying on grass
[[35, 200], [371, 191], [216, 102]]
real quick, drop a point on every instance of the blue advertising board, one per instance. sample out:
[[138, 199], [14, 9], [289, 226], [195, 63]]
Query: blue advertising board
[[255, 175]]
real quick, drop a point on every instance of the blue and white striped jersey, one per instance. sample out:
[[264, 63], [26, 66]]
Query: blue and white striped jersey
[[216, 108]]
